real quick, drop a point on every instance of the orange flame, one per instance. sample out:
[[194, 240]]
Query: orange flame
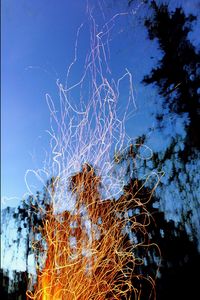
[[87, 256]]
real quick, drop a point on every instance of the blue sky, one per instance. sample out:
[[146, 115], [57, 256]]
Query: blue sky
[[38, 40]]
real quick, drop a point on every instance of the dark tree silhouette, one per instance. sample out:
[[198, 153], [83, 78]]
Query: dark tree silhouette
[[28, 219], [172, 263], [13, 288], [175, 260], [176, 78], [177, 74]]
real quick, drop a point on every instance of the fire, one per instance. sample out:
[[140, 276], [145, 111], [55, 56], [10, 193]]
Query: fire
[[87, 251], [88, 255]]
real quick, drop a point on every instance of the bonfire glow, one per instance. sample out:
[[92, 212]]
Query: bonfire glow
[[88, 256], [86, 253]]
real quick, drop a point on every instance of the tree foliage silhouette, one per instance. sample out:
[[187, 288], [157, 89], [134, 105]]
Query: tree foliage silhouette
[[179, 256], [176, 257], [176, 78], [177, 74]]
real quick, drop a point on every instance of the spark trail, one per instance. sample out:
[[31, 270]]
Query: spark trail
[[85, 251]]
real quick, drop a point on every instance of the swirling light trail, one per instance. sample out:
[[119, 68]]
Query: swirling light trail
[[85, 250]]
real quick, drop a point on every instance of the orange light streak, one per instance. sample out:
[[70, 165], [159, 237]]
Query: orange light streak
[[99, 264], [87, 255]]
